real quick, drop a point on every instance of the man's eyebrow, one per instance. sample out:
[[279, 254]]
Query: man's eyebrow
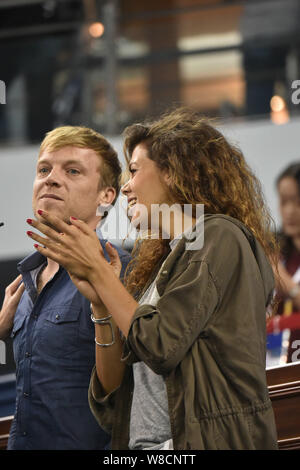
[[73, 162], [67, 162]]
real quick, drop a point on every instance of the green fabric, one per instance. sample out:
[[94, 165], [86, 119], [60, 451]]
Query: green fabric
[[207, 337]]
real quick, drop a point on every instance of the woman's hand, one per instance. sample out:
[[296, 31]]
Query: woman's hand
[[87, 290], [75, 246]]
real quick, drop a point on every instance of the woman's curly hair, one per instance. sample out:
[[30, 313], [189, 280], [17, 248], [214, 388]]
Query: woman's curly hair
[[205, 169]]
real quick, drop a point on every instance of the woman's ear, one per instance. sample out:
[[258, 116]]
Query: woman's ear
[[167, 176]]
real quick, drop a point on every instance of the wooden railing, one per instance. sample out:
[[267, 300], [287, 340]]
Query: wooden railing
[[284, 389], [5, 424]]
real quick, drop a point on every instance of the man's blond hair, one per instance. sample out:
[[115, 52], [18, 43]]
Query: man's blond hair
[[84, 137]]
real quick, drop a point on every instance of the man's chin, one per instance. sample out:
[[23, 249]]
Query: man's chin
[[61, 216]]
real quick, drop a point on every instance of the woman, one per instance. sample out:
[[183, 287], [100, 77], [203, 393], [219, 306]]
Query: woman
[[288, 187], [180, 359]]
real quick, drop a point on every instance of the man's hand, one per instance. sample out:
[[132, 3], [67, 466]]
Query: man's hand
[[13, 294]]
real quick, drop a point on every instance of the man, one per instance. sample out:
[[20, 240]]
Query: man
[[48, 318]]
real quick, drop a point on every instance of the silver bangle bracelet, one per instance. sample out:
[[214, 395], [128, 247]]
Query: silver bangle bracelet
[[100, 321], [113, 340]]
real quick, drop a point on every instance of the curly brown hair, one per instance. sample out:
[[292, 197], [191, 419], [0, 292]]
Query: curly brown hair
[[205, 169]]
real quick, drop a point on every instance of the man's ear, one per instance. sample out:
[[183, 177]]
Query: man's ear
[[107, 196]]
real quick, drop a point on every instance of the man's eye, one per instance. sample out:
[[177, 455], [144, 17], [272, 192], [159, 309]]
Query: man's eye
[[73, 171], [43, 170]]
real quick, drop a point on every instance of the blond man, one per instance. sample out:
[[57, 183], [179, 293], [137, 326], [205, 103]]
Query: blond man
[[49, 319]]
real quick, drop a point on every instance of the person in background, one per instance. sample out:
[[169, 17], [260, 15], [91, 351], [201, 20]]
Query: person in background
[[288, 290], [186, 337], [49, 319]]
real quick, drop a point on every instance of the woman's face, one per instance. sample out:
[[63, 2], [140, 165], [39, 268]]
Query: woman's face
[[146, 187], [289, 206]]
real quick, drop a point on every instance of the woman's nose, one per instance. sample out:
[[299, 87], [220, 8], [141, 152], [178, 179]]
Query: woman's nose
[[125, 188]]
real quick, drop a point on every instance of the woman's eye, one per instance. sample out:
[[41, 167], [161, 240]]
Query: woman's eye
[[132, 171]]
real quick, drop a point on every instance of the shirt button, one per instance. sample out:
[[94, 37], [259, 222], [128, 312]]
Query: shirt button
[[25, 394], [57, 317], [24, 433], [27, 354]]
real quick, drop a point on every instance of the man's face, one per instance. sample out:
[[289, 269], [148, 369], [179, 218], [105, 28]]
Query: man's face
[[289, 205], [67, 184]]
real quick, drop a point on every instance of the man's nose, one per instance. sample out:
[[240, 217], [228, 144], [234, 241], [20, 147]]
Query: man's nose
[[53, 178]]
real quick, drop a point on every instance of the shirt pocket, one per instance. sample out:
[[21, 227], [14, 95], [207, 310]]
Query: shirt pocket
[[59, 332], [17, 335]]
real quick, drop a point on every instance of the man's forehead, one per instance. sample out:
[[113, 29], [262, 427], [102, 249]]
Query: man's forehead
[[69, 153]]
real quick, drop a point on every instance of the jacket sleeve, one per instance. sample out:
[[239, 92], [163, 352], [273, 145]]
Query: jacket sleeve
[[101, 405], [160, 336]]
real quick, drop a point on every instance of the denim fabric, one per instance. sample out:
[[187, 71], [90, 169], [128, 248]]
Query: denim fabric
[[54, 350]]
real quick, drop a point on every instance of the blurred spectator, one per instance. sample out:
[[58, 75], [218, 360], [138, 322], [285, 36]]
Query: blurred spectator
[[288, 186]]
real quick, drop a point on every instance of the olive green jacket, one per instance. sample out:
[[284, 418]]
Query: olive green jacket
[[207, 337]]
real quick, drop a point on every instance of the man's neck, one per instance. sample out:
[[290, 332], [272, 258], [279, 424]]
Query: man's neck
[[52, 267]]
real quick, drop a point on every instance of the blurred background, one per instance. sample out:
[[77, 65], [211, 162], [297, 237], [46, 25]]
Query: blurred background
[[108, 63]]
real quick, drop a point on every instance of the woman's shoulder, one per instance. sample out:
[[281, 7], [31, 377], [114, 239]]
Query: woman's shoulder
[[222, 235]]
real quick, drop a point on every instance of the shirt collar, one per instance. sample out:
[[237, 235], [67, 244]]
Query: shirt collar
[[32, 261]]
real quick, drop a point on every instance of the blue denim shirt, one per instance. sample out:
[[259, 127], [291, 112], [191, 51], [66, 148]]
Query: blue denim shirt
[[54, 350]]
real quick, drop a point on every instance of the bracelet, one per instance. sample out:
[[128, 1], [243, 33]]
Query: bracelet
[[99, 321], [113, 340]]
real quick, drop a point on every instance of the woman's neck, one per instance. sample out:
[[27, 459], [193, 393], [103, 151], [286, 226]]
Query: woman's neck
[[296, 242], [179, 223]]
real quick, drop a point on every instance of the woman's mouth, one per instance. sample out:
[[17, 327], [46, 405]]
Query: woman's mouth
[[131, 204]]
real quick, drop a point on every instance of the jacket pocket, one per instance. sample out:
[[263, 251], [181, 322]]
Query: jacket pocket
[[59, 332]]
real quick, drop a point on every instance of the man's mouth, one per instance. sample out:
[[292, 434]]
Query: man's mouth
[[51, 196]]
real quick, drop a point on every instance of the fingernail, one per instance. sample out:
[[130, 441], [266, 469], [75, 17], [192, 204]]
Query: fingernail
[[40, 212], [29, 221], [74, 218], [29, 233], [36, 245]]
